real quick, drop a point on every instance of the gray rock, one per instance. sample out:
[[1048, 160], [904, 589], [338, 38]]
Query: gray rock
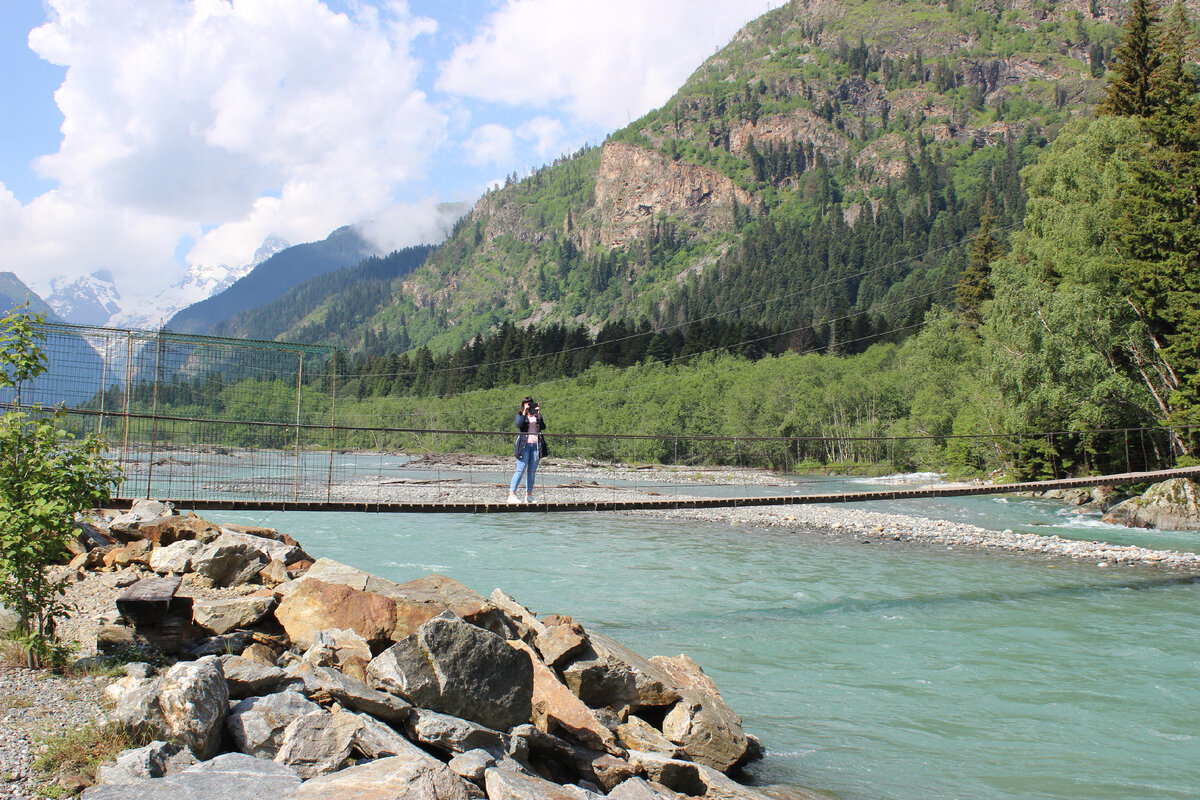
[[456, 668], [142, 510], [232, 643], [639, 789], [248, 678], [472, 765], [610, 674], [322, 683], [186, 705], [175, 558], [274, 550], [1171, 505], [520, 620], [257, 725], [318, 742], [229, 561], [152, 761], [504, 784], [637, 734], [453, 735], [223, 616], [376, 740], [690, 778], [8, 620], [410, 778], [232, 776]]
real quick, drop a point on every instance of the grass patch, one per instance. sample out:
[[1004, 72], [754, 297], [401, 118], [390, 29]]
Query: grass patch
[[82, 751], [14, 701]]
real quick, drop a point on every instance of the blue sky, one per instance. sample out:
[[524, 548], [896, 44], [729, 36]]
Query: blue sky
[[145, 137]]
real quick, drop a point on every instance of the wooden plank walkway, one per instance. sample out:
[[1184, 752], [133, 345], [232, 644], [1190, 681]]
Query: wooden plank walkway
[[666, 504]]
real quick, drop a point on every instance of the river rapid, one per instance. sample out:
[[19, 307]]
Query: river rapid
[[869, 670]]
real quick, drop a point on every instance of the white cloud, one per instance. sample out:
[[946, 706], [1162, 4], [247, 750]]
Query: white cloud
[[489, 144], [225, 121], [546, 134], [607, 60], [410, 224]]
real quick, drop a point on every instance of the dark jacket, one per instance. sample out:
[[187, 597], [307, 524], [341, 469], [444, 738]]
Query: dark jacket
[[523, 426]]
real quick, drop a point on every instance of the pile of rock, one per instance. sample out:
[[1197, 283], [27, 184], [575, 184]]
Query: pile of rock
[[321, 680]]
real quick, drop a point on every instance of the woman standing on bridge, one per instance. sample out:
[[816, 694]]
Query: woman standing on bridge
[[529, 449]]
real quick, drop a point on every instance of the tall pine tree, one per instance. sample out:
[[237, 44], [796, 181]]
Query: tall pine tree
[[1128, 93], [1159, 227]]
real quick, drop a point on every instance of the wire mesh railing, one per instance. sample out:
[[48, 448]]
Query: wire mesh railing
[[208, 418]]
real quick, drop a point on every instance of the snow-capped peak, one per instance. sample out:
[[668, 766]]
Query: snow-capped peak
[[87, 300], [200, 283]]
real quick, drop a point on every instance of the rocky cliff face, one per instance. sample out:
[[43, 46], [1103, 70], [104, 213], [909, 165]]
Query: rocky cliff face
[[634, 186]]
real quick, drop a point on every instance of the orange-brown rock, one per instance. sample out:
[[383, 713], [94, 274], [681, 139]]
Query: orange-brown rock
[[556, 708], [168, 530], [313, 606]]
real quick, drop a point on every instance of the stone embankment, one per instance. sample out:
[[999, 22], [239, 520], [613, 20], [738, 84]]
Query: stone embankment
[[295, 678]]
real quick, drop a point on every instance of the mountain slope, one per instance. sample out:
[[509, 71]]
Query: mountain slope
[[325, 307], [14, 293], [272, 278], [824, 174]]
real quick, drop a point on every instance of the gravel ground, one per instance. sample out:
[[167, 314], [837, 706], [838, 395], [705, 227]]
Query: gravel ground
[[34, 705], [37, 704]]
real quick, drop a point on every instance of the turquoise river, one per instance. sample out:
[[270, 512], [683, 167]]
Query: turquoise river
[[869, 671]]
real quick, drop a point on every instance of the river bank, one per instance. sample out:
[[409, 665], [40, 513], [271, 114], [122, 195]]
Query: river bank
[[461, 478]]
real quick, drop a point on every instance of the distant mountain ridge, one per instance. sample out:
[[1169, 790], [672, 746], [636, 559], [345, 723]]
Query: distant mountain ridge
[[272, 279], [14, 293]]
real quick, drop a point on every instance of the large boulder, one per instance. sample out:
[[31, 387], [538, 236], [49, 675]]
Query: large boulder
[[416, 601], [168, 530], [1171, 505], [561, 642], [607, 673], [175, 558], [701, 723], [233, 776], [228, 561], [312, 606], [247, 678], [186, 705], [410, 777], [343, 650], [155, 760], [257, 724], [273, 549], [325, 685], [223, 616], [637, 734], [318, 742], [505, 784], [690, 778], [556, 708], [456, 668], [453, 735]]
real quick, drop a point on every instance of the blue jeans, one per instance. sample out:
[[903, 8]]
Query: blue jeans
[[527, 466]]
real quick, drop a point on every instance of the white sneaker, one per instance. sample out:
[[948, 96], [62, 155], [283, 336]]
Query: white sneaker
[[512, 498], [529, 499]]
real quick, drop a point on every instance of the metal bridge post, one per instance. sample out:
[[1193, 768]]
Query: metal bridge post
[[299, 389]]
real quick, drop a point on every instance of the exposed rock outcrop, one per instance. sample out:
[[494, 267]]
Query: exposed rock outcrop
[[1172, 505]]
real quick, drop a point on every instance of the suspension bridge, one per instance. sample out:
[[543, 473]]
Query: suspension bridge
[[209, 423]]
